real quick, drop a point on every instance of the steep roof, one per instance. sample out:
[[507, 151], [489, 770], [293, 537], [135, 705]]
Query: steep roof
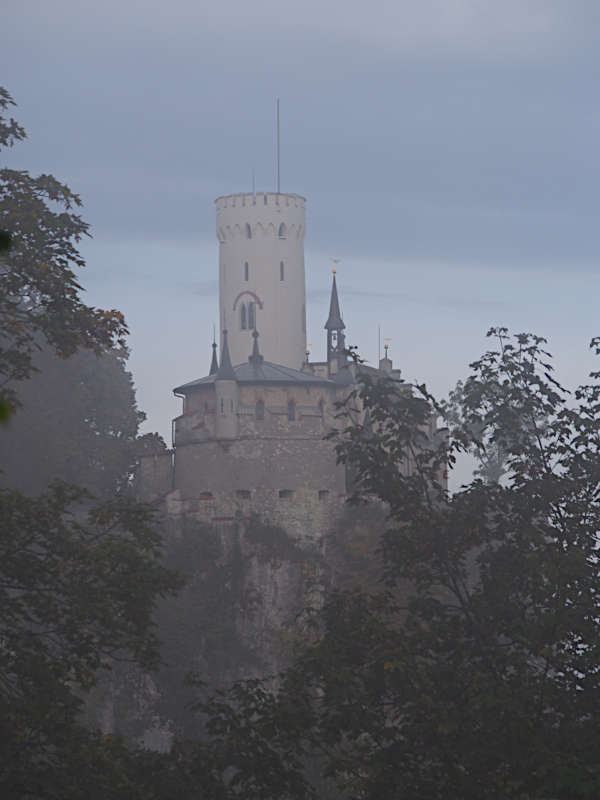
[[335, 321], [225, 371]]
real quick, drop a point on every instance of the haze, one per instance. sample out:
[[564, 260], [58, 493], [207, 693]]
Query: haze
[[447, 150]]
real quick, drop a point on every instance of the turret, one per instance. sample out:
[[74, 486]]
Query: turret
[[214, 364], [336, 341], [227, 396], [261, 274]]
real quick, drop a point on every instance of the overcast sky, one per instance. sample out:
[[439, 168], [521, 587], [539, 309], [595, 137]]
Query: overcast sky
[[448, 150]]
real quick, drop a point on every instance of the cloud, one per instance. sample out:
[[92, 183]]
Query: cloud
[[478, 27]]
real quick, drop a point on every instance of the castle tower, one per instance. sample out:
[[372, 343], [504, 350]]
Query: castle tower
[[261, 275], [336, 342], [227, 396]]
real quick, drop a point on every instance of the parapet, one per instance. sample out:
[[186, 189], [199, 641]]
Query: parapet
[[245, 199]]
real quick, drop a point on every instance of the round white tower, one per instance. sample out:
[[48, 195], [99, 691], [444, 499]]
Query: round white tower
[[261, 275]]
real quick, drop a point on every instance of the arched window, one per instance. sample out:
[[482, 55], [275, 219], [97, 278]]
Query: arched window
[[281, 271], [246, 270], [291, 411], [282, 231], [252, 316], [243, 319], [248, 231], [260, 409]]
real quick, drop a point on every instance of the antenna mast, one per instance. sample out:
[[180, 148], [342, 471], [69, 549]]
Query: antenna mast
[[278, 151]]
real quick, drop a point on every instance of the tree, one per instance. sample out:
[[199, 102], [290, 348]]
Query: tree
[[482, 679], [78, 585], [39, 292], [77, 421]]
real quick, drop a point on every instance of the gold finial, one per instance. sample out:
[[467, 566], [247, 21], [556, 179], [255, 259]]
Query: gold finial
[[335, 261]]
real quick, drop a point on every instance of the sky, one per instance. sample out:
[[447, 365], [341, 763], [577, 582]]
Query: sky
[[448, 151]]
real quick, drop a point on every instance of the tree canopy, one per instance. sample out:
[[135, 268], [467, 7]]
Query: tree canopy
[[473, 672], [39, 290]]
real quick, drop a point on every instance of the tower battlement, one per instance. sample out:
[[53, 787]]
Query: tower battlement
[[243, 199]]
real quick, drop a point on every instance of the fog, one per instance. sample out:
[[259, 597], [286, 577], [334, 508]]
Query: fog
[[448, 154]]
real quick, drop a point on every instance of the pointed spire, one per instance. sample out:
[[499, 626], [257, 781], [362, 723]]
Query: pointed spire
[[214, 364], [225, 372], [255, 358], [335, 321]]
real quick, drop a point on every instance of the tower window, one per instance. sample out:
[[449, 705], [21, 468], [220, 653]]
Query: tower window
[[243, 318], [281, 271], [291, 411], [260, 410], [282, 231], [246, 270], [252, 316], [248, 231]]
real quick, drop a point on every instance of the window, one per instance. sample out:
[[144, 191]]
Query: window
[[323, 494], [321, 406], [291, 411], [286, 493], [252, 316], [248, 231], [260, 410], [244, 494], [243, 319], [246, 270], [282, 231], [281, 271], [222, 406]]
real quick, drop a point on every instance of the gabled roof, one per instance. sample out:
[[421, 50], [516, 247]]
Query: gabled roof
[[261, 373]]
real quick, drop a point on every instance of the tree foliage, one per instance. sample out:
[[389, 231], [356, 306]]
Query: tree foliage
[[481, 679], [78, 585], [39, 291], [77, 421]]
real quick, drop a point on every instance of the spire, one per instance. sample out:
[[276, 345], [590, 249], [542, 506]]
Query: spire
[[335, 321], [214, 364], [255, 358], [225, 372]]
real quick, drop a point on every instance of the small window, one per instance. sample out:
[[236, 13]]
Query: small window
[[222, 406], [323, 494], [252, 316], [243, 318], [281, 271], [291, 411], [260, 410], [286, 493], [321, 406], [244, 494], [246, 270], [231, 405], [205, 496], [248, 231], [282, 231]]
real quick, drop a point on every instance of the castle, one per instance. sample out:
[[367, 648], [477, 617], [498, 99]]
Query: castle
[[250, 439]]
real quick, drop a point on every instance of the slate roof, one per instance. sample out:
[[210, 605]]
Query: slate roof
[[265, 372]]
